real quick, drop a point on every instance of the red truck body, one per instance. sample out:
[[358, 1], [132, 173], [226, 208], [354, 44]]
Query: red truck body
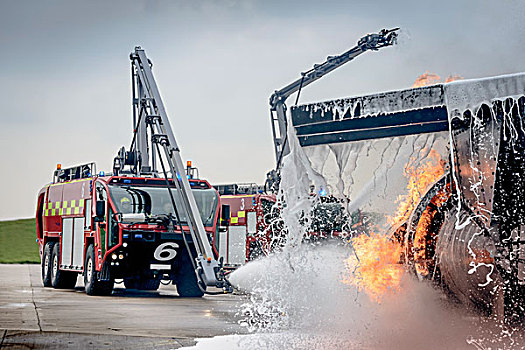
[[141, 253], [249, 230]]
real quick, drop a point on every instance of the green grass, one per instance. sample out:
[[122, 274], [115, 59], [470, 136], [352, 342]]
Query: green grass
[[17, 242]]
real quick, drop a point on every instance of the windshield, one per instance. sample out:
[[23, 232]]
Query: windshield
[[156, 200]]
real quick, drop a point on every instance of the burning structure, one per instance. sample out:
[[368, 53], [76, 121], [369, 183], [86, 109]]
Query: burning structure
[[452, 156]]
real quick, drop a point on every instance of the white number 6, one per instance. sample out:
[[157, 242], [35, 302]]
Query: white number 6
[[165, 252]]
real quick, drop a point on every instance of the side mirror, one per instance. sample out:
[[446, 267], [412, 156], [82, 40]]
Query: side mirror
[[225, 214], [100, 210]]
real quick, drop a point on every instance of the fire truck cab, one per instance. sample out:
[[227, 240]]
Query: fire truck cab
[[118, 227], [248, 232]]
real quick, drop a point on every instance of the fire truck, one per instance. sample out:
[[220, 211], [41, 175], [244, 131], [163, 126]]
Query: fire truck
[[255, 227], [140, 223], [251, 227]]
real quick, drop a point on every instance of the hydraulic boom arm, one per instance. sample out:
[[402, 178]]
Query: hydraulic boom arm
[[154, 141], [278, 99]]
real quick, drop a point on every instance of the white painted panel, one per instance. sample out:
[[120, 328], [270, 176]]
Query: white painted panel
[[251, 222], [78, 242], [67, 237], [237, 245], [223, 246]]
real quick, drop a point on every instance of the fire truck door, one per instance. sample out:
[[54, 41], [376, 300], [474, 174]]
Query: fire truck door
[[67, 242], [72, 245], [78, 243], [102, 195]]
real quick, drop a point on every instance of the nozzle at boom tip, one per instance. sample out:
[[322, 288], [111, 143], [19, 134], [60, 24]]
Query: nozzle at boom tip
[[385, 37]]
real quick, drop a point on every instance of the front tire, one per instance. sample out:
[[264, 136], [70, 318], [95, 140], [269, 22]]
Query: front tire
[[61, 279], [93, 285], [46, 264]]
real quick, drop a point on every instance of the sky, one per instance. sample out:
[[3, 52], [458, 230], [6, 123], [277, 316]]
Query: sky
[[65, 73]]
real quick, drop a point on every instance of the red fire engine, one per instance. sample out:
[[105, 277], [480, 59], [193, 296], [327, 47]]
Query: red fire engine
[[251, 227], [141, 224], [116, 227]]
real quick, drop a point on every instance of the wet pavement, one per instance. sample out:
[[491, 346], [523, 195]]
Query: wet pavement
[[32, 316]]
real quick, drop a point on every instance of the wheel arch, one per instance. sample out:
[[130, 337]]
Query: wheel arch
[[435, 190]]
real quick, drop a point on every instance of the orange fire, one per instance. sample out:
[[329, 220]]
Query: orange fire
[[427, 79], [453, 78], [420, 176], [378, 270]]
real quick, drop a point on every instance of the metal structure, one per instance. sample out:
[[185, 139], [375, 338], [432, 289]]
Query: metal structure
[[475, 242], [154, 142], [278, 99]]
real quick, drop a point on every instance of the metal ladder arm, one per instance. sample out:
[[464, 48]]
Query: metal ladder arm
[[162, 135], [386, 37]]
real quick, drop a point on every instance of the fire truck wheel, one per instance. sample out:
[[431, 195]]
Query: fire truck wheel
[[187, 284], [46, 264], [93, 285], [59, 278], [141, 284]]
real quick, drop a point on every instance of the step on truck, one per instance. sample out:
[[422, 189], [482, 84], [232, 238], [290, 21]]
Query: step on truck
[[145, 222]]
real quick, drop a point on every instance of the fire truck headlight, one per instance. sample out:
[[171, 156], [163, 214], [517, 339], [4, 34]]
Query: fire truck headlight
[[125, 244], [114, 256], [121, 256]]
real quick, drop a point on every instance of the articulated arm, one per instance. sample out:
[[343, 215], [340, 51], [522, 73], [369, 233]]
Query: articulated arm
[[149, 112], [277, 100]]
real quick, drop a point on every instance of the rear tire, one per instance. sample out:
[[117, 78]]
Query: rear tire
[[187, 284], [61, 279], [93, 285], [141, 284], [46, 264]]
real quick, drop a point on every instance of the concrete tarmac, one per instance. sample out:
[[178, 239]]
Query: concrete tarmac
[[32, 316]]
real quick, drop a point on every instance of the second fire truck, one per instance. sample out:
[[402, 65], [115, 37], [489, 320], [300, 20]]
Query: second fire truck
[[252, 226]]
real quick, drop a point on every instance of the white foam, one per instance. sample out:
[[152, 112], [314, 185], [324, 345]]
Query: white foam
[[472, 93], [276, 341]]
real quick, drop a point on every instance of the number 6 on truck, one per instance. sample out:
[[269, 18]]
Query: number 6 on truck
[[165, 251]]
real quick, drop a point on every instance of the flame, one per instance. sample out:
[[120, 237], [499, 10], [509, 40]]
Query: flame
[[426, 79], [453, 78], [378, 271], [420, 176]]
